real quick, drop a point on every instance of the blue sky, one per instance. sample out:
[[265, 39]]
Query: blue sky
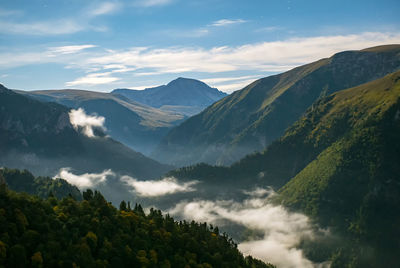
[[102, 45]]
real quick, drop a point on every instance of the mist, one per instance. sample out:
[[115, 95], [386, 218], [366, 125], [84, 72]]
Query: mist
[[280, 231], [153, 188], [86, 180], [87, 123]]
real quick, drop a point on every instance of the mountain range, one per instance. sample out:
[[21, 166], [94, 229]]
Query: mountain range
[[183, 95], [138, 118], [329, 148], [339, 164], [250, 119], [39, 136]]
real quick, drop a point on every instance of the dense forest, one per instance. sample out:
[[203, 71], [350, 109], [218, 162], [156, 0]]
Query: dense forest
[[24, 181], [36, 232]]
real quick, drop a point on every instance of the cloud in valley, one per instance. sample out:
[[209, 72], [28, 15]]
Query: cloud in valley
[[84, 181], [153, 188], [282, 230], [79, 119]]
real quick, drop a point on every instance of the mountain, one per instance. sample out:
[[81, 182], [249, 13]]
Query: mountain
[[250, 119], [39, 136], [24, 181], [139, 126], [183, 95], [340, 165], [93, 233]]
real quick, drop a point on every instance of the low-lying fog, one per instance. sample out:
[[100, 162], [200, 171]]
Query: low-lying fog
[[264, 230]]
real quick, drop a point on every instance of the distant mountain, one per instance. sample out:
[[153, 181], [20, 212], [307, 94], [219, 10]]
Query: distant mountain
[[339, 164], [183, 95], [39, 136], [250, 119], [137, 125]]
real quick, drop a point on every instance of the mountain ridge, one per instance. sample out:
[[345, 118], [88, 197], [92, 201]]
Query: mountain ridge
[[250, 119], [39, 136], [185, 92]]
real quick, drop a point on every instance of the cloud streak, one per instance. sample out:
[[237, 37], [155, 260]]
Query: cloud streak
[[56, 27], [103, 9], [153, 188], [226, 22], [282, 230], [80, 120], [62, 50], [152, 3], [84, 181], [93, 79]]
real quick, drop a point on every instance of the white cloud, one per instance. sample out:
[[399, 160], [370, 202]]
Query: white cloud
[[152, 3], [233, 86], [226, 22], [230, 84], [266, 56], [84, 181], [282, 230], [259, 58], [93, 79], [57, 27], [68, 49], [154, 188], [269, 29], [79, 119], [104, 8]]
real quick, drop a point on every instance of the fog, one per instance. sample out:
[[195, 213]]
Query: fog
[[86, 180], [152, 188], [79, 119], [282, 231]]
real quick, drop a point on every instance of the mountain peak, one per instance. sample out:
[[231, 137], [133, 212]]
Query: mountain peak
[[180, 92]]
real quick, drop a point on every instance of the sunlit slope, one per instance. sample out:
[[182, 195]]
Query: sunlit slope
[[250, 119]]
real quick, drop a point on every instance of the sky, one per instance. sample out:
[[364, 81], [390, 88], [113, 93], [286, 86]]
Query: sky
[[103, 45]]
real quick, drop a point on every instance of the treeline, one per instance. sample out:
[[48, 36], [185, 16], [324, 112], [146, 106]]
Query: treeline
[[50, 232], [24, 181]]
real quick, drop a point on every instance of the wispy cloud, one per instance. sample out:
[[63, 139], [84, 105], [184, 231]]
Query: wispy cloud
[[84, 181], [93, 79], [162, 187], [230, 84], [56, 27], [282, 230], [152, 3], [68, 49], [226, 22], [104, 9], [69, 25], [258, 58], [80, 120], [269, 29]]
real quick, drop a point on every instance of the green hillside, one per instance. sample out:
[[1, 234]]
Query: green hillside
[[250, 119], [49, 232], [39, 136], [24, 181], [339, 164], [353, 185]]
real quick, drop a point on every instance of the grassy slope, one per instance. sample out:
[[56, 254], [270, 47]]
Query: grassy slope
[[353, 185], [252, 118]]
